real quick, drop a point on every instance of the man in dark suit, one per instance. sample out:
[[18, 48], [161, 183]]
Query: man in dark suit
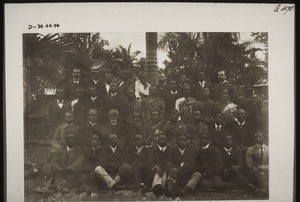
[[57, 109], [114, 100], [95, 81], [161, 87], [182, 173], [135, 127], [90, 128], [72, 84], [200, 85], [224, 84], [210, 165], [95, 102], [105, 86], [160, 165], [67, 162], [138, 157], [171, 95], [242, 130], [114, 166], [174, 127], [79, 108], [217, 130], [232, 157], [115, 126]]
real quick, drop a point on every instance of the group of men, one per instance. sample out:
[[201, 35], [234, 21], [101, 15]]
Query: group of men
[[170, 139]]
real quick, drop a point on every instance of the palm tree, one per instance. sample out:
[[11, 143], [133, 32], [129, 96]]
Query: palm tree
[[151, 57]]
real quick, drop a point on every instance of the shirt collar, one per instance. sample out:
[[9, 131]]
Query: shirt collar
[[224, 81], [96, 148], [218, 126], [92, 123], [96, 81], [69, 124], [94, 98], [240, 124], [69, 149], [114, 123], [181, 151], [113, 148], [205, 147], [113, 94], [173, 93], [162, 148], [58, 101], [139, 149], [228, 150]]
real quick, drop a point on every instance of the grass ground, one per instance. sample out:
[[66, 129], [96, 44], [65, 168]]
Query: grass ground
[[37, 153]]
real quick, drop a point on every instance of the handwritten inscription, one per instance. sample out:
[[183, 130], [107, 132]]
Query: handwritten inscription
[[41, 26], [283, 9]]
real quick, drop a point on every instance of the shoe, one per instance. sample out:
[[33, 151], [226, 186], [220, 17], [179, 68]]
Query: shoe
[[159, 190]]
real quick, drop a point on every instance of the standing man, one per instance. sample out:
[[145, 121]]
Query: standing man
[[200, 85], [186, 104], [79, 107], [57, 109], [224, 84], [171, 95], [72, 84], [161, 87], [142, 86]]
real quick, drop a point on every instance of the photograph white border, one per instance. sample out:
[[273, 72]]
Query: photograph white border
[[159, 17]]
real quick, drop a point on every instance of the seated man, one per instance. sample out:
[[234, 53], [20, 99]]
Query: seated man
[[181, 174], [154, 129], [217, 130], [59, 139], [160, 164], [135, 127], [90, 128], [257, 163], [173, 127], [115, 126], [232, 157], [138, 157], [196, 129], [210, 165], [114, 169], [67, 162]]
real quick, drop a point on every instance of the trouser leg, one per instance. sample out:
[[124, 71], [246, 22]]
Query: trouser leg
[[102, 174], [193, 181]]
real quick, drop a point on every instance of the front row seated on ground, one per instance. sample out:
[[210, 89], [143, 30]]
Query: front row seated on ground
[[172, 171]]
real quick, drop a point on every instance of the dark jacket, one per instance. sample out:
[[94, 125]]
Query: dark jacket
[[209, 161], [112, 161], [184, 163], [161, 159], [217, 137], [57, 114], [232, 159]]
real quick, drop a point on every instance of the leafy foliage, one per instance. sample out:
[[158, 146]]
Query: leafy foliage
[[189, 52]]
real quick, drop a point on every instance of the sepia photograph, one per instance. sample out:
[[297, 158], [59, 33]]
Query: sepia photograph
[[146, 116], [149, 102]]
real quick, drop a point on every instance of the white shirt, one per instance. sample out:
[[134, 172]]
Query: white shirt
[[173, 93], [96, 81], [163, 149], [60, 104], [205, 146], [228, 150], [92, 123], [240, 124], [76, 81], [139, 149], [73, 103], [140, 89], [202, 83], [181, 151], [94, 98], [114, 123], [69, 149], [218, 128], [113, 149], [113, 94], [94, 149], [107, 86]]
